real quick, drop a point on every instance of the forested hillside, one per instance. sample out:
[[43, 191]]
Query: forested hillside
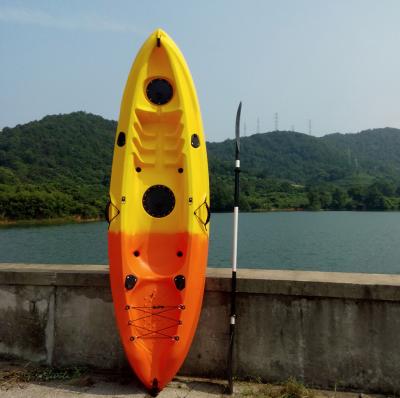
[[56, 167], [60, 167]]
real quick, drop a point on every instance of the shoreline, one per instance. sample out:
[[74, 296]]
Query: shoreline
[[79, 220], [48, 221]]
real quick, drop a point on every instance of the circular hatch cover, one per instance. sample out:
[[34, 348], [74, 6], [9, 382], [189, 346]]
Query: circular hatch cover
[[159, 91], [158, 201]]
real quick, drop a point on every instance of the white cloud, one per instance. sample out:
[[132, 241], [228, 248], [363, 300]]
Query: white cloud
[[36, 17]]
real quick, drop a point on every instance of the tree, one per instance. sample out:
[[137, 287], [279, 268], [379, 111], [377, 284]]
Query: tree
[[386, 188], [374, 199], [339, 199], [221, 196], [314, 200]]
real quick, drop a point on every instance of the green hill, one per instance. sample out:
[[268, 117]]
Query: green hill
[[56, 167], [72, 149], [374, 152], [305, 159], [60, 167], [291, 156]]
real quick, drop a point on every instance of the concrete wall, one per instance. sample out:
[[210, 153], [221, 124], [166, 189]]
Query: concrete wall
[[326, 329]]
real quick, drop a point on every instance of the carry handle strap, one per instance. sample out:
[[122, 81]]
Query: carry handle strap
[[107, 212], [208, 213]]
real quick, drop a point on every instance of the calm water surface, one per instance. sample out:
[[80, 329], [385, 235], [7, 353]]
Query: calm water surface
[[322, 241]]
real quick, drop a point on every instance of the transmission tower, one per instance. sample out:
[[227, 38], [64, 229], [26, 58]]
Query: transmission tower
[[244, 129], [276, 120], [258, 125], [309, 127]]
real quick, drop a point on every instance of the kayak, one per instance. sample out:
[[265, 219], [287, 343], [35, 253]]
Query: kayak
[[158, 213]]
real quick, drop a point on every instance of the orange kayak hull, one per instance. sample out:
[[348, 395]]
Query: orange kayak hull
[[157, 321], [158, 213]]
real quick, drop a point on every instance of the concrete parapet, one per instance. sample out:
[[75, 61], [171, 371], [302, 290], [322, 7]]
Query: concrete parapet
[[327, 329]]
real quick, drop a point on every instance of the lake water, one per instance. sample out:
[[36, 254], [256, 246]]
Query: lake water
[[320, 241]]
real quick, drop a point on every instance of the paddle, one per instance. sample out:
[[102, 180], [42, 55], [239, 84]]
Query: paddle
[[234, 252]]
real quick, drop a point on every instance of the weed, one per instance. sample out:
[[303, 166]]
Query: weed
[[50, 373], [290, 389], [294, 389], [11, 377]]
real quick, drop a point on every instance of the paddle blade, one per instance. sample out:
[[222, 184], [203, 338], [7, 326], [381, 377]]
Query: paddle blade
[[237, 130]]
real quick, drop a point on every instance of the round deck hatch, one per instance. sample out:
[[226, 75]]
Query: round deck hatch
[[159, 91], [158, 201]]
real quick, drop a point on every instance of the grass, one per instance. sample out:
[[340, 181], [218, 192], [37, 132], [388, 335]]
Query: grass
[[291, 389], [14, 376]]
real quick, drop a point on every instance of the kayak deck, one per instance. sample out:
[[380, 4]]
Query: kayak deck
[[158, 233]]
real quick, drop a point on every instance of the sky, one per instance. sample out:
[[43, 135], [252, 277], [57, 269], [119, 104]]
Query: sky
[[336, 63]]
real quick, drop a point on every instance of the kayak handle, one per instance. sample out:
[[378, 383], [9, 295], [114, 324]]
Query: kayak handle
[[107, 211], [208, 213]]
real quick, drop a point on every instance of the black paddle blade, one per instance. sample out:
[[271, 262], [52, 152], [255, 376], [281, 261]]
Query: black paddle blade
[[237, 130]]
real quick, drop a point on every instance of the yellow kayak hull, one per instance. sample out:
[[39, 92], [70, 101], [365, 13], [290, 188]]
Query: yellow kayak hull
[[158, 213]]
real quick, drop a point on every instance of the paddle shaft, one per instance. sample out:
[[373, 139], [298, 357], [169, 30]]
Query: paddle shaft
[[234, 255]]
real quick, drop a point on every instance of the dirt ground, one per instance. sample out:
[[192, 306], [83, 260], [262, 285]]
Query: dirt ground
[[26, 381]]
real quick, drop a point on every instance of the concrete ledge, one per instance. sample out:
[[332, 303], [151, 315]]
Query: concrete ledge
[[54, 274], [256, 281], [330, 330]]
